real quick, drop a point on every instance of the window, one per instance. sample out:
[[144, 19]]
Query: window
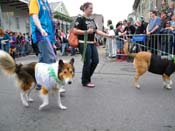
[[151, 5], [17, 22], [0, 17], [0, 22], [61, 10], [27, 25]]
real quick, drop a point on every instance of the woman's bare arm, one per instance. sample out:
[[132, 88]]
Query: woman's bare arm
[[99, 32]]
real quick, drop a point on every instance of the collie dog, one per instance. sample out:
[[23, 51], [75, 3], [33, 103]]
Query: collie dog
[[48, 76]]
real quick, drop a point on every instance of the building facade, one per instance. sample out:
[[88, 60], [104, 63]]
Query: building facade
[[0, 17], [99, 19], [61, 16], [14, 15]]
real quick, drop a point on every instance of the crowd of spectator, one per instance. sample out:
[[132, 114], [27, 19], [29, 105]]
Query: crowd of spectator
[[157, 30], [16, 44], [20, 44], [62, 43], [160, 22]]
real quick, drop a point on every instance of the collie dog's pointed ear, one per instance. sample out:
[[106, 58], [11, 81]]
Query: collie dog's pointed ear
[[61, 63], [72, 61]]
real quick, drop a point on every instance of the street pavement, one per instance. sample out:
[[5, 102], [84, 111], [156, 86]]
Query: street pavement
[[113, 105]]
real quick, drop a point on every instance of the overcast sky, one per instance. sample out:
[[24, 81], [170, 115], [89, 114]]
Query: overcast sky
[[111, 9]]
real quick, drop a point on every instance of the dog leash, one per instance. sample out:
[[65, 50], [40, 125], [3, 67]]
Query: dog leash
[[50, 69], [50, 46], [85, 46], [172, 57]]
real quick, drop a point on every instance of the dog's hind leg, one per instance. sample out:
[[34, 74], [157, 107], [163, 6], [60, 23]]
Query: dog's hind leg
[[45, 97], [25, 82], [29, 99], [164, 80], [59, 101], [23, 98], [23, 92], [167, 81]]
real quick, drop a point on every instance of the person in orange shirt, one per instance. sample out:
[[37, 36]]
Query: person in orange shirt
[[43, 32]]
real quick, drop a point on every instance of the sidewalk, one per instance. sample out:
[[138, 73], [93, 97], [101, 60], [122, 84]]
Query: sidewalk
[[106, 65]]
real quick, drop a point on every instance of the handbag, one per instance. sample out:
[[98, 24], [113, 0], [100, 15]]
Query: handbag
[[73, 39]]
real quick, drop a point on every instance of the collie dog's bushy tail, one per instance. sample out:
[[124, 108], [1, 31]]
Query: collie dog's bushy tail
[[7, 63]]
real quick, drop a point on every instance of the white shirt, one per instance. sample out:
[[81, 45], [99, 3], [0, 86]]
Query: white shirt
[[43, 76], [111, 32]]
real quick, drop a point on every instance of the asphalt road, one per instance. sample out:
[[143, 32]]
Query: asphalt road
[[114, 105]]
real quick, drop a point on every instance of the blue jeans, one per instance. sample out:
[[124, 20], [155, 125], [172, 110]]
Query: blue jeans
[[23, 49], [72, 51], [63, 49], [46, 52], [91, 62], [5, 47]]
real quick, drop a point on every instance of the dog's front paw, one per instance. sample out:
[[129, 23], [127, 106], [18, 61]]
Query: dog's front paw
[[62, 107], [168, 87], [26, 104], [137, 86], [40, 108], [164, 83], [62, 90], [30, 100]]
